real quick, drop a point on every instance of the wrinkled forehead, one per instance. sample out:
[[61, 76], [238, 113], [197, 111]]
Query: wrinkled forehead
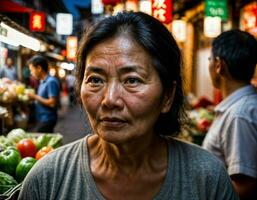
[[118, 50]]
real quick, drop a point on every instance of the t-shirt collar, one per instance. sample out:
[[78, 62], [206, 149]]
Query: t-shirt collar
[[43, 81]]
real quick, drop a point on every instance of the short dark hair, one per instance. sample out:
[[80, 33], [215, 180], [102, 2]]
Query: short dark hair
[[39, 60], [239, 51], [154, 37]]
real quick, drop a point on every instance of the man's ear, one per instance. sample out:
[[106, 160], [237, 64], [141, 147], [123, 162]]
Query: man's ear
[[39, 68], [220, 66], [168, 98]]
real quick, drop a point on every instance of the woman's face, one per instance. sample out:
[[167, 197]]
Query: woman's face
[[121, 91]]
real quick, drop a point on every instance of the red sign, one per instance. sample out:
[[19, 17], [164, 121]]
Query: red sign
[[37, 21], [162, 10], [249, 18], [71, 47], [110, 2]]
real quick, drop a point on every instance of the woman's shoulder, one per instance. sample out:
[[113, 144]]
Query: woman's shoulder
[[197, 170], [194, 155]]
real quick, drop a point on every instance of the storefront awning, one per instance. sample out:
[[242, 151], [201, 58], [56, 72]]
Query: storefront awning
[[10, 6]]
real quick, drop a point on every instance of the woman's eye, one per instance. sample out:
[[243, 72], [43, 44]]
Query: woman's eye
[[132, 81], [94, 80]]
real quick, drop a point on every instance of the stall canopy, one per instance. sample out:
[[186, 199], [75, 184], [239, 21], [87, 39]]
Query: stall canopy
[[10, 6]]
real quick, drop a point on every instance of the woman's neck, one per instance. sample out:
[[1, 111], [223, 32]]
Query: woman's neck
[[128, 158]]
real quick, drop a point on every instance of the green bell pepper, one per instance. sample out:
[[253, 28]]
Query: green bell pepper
[[9, 159], [24, 167]]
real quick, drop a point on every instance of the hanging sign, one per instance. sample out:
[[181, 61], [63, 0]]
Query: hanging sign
[[111, 2], [216, 8], [162, 10], [145, 6], [37, 21], [248, 18], [131, 5], [64, 24], [212, 26], [71, 47], [179, 30], [97, 7]]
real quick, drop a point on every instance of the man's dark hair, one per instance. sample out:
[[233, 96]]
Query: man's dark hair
[[154, 37], [239, 51], [39, 60]]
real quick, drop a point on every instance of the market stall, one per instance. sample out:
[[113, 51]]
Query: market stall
[[200, 114], [14, 98]]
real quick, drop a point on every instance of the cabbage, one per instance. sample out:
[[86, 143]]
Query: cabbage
[[16, 135]]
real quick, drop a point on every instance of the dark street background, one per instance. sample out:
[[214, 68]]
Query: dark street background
[[72, 123]]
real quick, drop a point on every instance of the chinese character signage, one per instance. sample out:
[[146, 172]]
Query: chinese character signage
[[216, 8], [162, 10], [71, 47], [37, 21]]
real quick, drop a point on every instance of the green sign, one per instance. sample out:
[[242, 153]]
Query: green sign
[[216, 8]]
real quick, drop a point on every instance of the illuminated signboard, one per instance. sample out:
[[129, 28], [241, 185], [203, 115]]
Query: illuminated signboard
[[179, 30], [248, 19], [37, 21], [64, 23], [216, 8], [97, 7], [71, 47], [212, 26], [162, 10], [145, 6]]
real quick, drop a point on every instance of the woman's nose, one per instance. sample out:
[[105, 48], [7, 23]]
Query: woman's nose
[[113, 95]]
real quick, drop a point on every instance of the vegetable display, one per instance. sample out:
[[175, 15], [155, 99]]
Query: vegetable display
[[9, 159], [19, 151], [43, 151], [23, 168], [16, 135], [6, 182], [27, 148], [42, 141]]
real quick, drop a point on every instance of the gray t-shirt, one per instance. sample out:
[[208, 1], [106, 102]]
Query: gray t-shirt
[[193, 173]]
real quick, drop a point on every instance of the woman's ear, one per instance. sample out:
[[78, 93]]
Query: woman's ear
[[168, 98]]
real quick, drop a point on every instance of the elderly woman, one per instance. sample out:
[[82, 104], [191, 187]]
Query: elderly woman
[[129, 79]]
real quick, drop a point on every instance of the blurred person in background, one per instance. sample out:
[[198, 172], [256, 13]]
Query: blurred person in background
[[9, 70], [47, 97], [130, 84], [70, 80], [233, 134], [26, 76]]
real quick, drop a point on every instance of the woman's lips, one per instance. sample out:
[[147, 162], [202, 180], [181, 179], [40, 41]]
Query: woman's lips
[[112, 122]]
